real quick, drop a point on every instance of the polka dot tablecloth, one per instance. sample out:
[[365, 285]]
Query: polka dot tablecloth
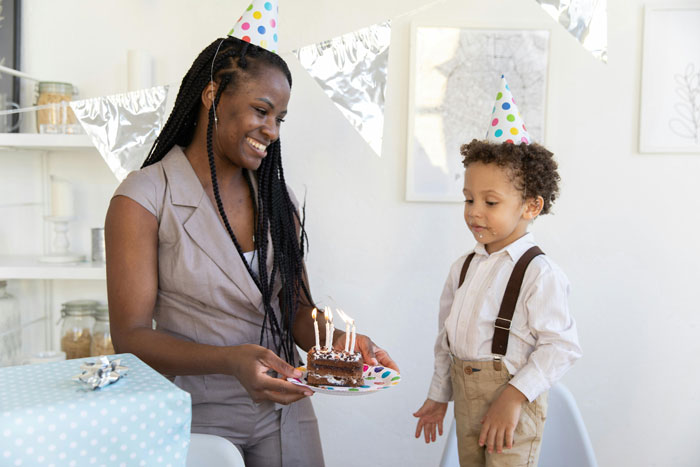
[[48, 419]]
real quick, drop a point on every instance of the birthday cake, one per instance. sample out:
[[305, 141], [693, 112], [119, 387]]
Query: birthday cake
[[334, 368]]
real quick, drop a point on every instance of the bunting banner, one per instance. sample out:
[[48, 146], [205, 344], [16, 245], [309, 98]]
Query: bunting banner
[[352, 71], [586, 20], [123, 126]]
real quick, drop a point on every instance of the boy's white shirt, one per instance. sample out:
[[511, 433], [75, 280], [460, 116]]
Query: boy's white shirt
[[543, 342]]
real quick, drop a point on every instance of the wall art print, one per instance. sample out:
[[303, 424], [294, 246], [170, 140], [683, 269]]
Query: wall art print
[[670, 99], [454, 78]]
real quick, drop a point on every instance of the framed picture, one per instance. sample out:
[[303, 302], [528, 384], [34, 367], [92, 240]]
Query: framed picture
[[669, 118], [9, 55], [454, 78]]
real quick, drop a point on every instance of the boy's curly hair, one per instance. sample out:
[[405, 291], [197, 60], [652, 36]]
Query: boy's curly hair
[[532, 168]]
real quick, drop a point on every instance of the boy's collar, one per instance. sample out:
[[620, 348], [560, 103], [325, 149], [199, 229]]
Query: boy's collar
[[515, 249]]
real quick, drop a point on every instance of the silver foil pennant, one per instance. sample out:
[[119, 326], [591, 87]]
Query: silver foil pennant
[[352, 70], [101, 372], [124, 126], [586, 20]]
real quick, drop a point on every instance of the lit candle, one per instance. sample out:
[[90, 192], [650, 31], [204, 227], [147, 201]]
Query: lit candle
[[352, 343], [313, 315], [61, 197], [346, 320]]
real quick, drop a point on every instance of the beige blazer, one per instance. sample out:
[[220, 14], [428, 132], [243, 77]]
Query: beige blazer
[[206, 295]]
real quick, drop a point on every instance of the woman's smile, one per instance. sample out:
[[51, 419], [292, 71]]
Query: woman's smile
[[259, 147]]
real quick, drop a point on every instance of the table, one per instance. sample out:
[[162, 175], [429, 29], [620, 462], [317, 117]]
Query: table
[[47, 418]]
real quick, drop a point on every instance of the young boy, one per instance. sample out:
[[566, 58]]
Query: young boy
[[505, 332]]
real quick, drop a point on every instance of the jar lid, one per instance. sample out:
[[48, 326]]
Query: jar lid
[[55, 86], [102, 312], [79, 307]]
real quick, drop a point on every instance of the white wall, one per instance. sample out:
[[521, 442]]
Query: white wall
[[615, 232]]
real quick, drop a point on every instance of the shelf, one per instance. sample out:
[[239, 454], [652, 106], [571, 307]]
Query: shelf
[[29, 267], [43, 142]]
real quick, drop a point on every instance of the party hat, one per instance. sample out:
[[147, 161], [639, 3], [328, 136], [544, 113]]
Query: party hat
[[258, 24], [507, 125]]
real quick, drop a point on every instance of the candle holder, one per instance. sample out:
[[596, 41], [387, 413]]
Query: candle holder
[[60, 247]]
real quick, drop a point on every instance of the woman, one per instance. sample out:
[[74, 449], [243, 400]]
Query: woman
[[207, 240]]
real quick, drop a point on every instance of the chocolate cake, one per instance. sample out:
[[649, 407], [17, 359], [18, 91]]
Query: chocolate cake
[[334, 368]]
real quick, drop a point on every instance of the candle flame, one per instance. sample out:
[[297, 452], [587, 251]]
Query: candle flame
[[313, 314]]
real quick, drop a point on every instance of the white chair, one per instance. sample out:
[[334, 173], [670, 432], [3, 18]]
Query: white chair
[[212, 451], [565, 440], [450, 455]]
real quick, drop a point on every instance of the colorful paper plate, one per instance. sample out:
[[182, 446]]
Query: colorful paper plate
[[376, 378]]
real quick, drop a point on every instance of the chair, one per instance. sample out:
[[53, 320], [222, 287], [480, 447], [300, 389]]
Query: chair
[[212, 451], [565, 440], [450, 455]]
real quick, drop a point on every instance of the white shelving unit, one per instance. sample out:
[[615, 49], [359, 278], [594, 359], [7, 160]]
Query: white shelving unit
[[42, 287], [30, 267], [40, 142]]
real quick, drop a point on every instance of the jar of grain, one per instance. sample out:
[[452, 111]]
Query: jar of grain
[[76, 330], [58, 115], [101, 338], [10, 328]]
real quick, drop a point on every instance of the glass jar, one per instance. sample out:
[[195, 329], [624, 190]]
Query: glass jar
[[76, 330], [10, 328], [58, 117], [101, 338]]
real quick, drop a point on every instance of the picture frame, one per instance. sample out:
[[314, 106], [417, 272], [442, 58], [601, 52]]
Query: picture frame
[[454, 77], [10, 15], [669, 116]]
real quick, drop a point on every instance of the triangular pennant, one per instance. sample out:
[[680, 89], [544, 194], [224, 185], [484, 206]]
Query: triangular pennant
[[352, 70], [586, 20], [124, 126]]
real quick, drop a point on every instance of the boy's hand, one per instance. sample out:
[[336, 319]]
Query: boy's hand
[[501, 419], [429, 415]]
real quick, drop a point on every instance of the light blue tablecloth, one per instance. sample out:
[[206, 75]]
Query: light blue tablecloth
[[47, 418]]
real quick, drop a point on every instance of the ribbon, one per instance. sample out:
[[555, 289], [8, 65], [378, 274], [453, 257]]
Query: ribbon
[[101, 373]]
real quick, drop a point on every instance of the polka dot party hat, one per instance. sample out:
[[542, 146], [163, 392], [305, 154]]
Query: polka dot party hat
[[506, 124], [258, 24]]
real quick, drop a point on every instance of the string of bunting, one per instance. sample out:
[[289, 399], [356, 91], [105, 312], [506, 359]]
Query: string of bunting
[[351, 69]]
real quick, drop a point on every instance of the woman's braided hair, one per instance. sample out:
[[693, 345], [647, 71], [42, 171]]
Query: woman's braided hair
[[227, 61]]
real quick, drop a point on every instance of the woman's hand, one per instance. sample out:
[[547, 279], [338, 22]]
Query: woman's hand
[[251, 364], [372, 354]]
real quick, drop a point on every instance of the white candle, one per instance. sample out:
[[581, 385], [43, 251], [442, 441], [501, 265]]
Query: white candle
[[139, 67], [352, 343], [313, 315], [346, 320], [330, 338], [61, 197], [328, 326]]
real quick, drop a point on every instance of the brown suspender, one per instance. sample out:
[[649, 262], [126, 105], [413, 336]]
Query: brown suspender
[[510, 298]]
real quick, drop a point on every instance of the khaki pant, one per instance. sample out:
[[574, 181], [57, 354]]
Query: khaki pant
[[476, 385]]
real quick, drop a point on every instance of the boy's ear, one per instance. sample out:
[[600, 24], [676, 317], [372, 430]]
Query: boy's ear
[[208, 94], [533, 207]]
